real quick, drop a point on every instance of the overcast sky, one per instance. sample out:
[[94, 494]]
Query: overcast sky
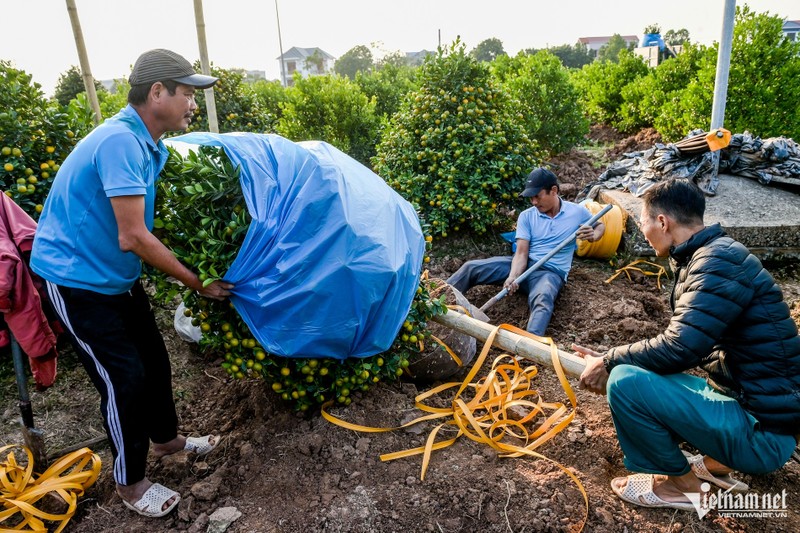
[[37, 36]]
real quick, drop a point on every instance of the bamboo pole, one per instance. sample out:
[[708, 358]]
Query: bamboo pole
[[211, 103], [511, 342], [83, 57]]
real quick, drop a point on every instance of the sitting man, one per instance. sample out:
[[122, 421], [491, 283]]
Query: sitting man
[[540, 228], [729, 318]]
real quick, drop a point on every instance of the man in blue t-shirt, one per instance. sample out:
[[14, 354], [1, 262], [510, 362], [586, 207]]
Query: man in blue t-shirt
[[540, 228], [93, 234]]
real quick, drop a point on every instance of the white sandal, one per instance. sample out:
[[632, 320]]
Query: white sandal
[[201, 445], [152, 501], [639, 491], [726, 482]]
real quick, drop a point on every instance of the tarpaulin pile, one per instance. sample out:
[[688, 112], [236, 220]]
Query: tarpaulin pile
[[746, 155]]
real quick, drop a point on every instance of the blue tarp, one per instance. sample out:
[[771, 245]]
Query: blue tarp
[[332, 258]]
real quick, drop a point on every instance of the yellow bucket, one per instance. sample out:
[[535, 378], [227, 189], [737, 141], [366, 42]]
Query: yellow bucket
[[607, 246]]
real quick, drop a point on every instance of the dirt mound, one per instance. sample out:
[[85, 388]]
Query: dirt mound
[[643, 140], [603, 134], [574, 170]]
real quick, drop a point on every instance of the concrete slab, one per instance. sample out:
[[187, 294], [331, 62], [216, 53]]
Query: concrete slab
[[764, 218]]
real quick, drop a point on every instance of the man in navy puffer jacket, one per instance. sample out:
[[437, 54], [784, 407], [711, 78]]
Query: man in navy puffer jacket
[[729, 318]]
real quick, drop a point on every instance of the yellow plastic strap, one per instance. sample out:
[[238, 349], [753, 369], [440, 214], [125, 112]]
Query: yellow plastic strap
[[448, 350], [484, 415], [68, 477], [660, 270]]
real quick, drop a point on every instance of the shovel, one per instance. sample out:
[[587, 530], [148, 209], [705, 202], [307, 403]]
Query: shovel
[[502, 294], [34, 437]]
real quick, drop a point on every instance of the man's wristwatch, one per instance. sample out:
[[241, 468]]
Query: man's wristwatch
[[607, 363]]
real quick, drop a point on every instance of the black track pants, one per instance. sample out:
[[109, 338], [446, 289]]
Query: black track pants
[[120, 346]]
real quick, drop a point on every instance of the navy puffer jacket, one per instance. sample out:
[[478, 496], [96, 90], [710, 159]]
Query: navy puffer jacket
[[729, 318]]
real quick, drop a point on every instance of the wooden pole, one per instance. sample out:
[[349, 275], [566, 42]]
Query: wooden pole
[[83, 57], [211, 103], [284, 81], [511, 342]]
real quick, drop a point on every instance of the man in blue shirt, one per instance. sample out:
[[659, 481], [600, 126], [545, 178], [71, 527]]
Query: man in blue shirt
[[540, 228], [93, 234]]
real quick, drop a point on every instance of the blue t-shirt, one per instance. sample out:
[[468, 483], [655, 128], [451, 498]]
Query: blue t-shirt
[[545, 233], [77, 241]]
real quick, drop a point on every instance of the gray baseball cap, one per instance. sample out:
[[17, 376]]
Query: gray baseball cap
[[160, 64]]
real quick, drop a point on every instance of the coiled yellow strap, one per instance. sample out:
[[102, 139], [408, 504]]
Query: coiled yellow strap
[[486, 416], [68, 477], [660, 271], [604, 248]]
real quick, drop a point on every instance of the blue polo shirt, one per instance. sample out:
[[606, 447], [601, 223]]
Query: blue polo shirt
[[77, 243], [545, 233]]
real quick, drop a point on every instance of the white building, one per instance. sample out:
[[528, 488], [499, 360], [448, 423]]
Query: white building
[[791, 29], [306, 61]]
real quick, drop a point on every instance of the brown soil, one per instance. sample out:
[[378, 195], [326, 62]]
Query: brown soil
[[643, 140], [602, 134], [574, 169], [287, 473]]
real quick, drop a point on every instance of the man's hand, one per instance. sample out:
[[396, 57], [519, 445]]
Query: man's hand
[[585, 233], [594, 377], [217, 290], [510, 284]]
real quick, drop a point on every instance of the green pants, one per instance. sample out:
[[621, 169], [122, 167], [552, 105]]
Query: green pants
[[653, 414]]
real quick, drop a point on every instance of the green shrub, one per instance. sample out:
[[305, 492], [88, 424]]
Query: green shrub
[[112, 103], [331, 109], [35, 137], [763, 85], [645, 98], [238, 108], [456, 148], [547, 97], [388, 85], [270, 96], [601, 84], [201, 216]]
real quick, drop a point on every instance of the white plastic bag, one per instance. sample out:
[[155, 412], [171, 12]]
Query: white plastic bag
[[184, 327]]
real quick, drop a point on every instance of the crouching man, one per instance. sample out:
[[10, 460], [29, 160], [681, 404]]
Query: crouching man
[[729, 319]]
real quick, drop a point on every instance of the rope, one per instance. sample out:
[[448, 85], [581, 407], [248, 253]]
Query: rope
[[607, 246], [660, 270], [484, 417], [68, 477]]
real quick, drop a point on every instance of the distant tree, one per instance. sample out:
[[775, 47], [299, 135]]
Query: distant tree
[[488, 49], [610, 51], [70, 85], [395, 59], [388, 85], [676, 37], [652, 29], [572, 56], [357, 59]]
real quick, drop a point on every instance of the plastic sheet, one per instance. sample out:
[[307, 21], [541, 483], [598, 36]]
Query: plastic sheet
[[332, 258], [746, 156]]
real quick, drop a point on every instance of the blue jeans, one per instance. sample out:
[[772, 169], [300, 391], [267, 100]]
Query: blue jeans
[[654, 413], [542, 286]]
